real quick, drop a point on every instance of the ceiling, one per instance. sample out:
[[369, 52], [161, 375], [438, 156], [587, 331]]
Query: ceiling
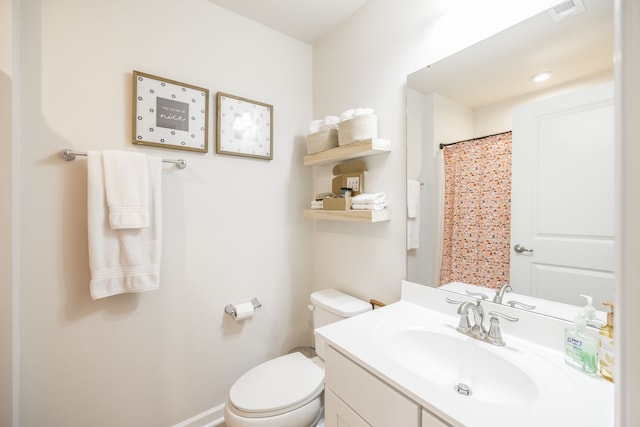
[[306, 20], [501, 66]]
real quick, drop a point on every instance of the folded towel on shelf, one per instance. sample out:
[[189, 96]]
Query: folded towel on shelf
[[317, 204], [122, 260], [370, 198], [126, 182], [369, 206]]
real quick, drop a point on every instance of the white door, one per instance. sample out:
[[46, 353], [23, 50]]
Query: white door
[[562, 199]]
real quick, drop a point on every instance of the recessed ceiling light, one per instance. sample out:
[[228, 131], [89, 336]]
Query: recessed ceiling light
[[540, 77]]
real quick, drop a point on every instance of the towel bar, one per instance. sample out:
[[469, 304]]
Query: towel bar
[[69, 155]]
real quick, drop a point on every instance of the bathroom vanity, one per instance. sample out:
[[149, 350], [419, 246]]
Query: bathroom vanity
[[355, 396], [406, 364]]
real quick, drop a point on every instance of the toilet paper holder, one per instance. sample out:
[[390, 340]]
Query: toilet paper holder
[[230, 309]]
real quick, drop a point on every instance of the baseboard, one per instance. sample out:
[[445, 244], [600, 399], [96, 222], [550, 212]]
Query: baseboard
[[213, 417]]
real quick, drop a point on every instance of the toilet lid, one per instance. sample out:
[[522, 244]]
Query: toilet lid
[[278, 385]]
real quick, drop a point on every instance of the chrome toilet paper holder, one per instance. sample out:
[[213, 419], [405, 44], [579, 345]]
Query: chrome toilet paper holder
[[230, 309]]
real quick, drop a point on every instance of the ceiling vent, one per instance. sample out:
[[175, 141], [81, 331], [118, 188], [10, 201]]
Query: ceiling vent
[[566, 9]]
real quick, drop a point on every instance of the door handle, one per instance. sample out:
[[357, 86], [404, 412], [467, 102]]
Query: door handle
[[520, 249]]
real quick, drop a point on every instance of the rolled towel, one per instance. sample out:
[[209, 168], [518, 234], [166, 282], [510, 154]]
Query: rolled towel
[[353, 112], [331, 120], [316, 126]]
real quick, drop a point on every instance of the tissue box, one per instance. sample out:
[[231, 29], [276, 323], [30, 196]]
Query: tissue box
[[346, 175], [322, 140]]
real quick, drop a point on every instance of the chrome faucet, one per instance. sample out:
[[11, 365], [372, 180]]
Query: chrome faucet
[[507, 288], [500, 293], [478, 331]]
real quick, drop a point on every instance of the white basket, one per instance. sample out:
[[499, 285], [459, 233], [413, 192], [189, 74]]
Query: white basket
[[322, 140], [360, 127]]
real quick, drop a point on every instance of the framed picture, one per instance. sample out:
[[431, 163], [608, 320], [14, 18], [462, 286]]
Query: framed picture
[[245, 127], [169, 114]]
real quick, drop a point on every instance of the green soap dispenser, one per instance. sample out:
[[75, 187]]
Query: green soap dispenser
[[606, 353], [581, 348]]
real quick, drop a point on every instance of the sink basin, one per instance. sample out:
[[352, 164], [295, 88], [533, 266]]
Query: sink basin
[[449, 361]]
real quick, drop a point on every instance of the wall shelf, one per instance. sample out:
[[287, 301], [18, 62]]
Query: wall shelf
[[349, 215], [364, 148]]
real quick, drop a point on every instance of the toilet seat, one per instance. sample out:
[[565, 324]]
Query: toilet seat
[[277, 386]]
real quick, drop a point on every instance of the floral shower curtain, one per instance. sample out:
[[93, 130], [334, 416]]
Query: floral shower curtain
[[477, 212]]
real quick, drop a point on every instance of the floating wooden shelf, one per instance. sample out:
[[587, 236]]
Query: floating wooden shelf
[[349, 215], [364, 148]]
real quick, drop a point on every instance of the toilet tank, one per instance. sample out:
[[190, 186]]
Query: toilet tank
[[331, 305]]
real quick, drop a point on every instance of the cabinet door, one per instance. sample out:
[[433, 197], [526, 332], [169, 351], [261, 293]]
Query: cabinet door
[[372, 399], [430, 420], [338, 414]]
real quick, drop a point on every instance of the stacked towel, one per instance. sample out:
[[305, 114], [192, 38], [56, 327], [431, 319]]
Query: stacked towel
[[123, 259], [368, 201], [317, 204]]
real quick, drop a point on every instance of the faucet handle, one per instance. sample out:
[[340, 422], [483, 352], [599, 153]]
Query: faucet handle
[[518, 304], [464, 326], [494, 336], [476, 295]]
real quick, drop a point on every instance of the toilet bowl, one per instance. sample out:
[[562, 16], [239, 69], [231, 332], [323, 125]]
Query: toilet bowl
[[288, 391]]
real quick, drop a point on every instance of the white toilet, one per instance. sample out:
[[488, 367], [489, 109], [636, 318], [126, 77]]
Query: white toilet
[[287, 391]]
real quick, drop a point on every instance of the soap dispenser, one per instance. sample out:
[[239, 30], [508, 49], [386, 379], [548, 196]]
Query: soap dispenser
[[606, 353], [590, 313], [581, 348]]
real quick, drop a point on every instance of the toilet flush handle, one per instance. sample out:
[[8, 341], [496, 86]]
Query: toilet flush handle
[[311, 307]]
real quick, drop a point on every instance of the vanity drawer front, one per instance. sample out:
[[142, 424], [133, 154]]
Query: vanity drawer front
[[376, 402]]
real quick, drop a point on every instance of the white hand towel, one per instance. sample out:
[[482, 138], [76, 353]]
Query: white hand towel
[[126, 180], [413, 197], [413, 214], [122, 260]]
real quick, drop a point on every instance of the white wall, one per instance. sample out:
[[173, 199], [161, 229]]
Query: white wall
[[6, 259], [628, 211], [233, 226]]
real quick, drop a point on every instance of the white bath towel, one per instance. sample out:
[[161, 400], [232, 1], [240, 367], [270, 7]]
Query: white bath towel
[[126, 181], [413, 214], [122, 260]]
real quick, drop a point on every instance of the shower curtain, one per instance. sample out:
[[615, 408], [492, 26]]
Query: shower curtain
[[477, 212]]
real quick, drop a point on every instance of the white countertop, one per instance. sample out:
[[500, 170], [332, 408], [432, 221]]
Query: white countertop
[[566, 397]]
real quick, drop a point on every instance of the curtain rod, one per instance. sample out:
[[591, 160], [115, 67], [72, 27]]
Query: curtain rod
[[473, 139]]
